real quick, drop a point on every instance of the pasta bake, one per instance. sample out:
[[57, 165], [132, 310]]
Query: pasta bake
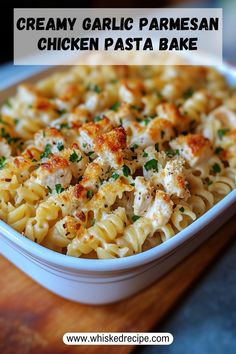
[[110, 161]]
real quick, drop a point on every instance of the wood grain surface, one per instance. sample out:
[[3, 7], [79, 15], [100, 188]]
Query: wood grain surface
[[33, 320]]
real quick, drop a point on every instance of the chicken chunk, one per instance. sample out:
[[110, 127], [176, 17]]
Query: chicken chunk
[[109, 146], [173, 178], [193, 147], [54, 172], [51, 137], [142, 196], [161, 209]]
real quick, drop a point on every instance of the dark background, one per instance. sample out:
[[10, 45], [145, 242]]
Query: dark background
[[6, 23]]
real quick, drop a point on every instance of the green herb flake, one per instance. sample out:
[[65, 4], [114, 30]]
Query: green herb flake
[[172, 153], [89, 194], [218, 150], [151, 165], [73, 157], [216, 168], [115, 176], [97, 89], [64, 125], [181, 209], [16, 121], [146, 121], [126, 171], [47, 151], [60, 146], [139, 120], [89, 153], [97, 119], [115, 106], [157, 147], [135, 146], [135, 218], [94, 87], [136, 108], [222, 132], [145, 154], [209, 182], [188, 93], [2, 161], [59, 188], [49, 190], [61, 111]]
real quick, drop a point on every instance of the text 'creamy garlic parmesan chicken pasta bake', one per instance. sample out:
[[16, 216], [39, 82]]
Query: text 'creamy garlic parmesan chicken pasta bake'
[[104, 162]]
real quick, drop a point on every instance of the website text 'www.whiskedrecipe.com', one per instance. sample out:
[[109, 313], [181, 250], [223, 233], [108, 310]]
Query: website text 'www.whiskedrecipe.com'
[[81, 338]]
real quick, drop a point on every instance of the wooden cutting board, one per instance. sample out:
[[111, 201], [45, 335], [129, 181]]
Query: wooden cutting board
[[33, 320]]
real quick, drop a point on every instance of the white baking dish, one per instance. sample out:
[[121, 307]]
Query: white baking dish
[[103, 281]]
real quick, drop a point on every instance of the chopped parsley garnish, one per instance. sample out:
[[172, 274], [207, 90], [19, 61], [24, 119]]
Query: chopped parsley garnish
[[171, 153], [115, 106], [216, 168], [137, 108], [101, 180], [218, 150], [2, 161], [64, 125], [73, 157], [145, 154], [147, 121], [151, 165], [97, 119], [8, 104], [181, 209], [114, 81], [159, 95], [90, 194], [115, 176], [126, 171], [60, 146], [16, 121], [49, 189], [94, 87], [135, 146], [209, 182], [222, 132], [89, 153], [138, 120], [61, 111], [135, 217], [188, 93], [157, 147], [47, 151], [59, 188], [84, 145]]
